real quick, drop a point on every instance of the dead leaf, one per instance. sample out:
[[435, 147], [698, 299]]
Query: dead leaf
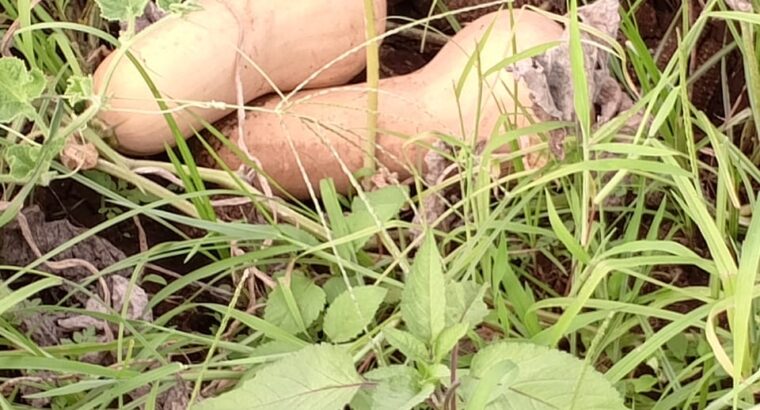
[[549, 77], [79, 156], [383, 178]]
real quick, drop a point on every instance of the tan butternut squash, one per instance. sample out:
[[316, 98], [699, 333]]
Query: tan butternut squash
[[323, 132], [192, 59]]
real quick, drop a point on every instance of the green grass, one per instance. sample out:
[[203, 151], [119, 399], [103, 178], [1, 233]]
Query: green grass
[[658, 295]]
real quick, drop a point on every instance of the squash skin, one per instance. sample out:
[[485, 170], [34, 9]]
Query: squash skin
[[413, 105], [192, 59]]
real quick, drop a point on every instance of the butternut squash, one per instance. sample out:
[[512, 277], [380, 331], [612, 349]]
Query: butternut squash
[[192, 59], [322, 133]]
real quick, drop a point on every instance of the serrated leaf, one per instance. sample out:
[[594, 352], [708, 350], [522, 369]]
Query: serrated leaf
[[406, 343], [352, 311], [385, 204], [18, 88], [544, 379], [448, 339], [121, 10], [22, 160], [319, 377], [395, 387], [423, 301], [464, 303], [310, 300], [79, 89]]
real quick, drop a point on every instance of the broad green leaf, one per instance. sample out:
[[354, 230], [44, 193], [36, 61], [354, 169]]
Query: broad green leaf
[[406, 343], [18, 88], [448, 339], [79, 89], [385, 203], [491, 383], [121, 10], [25, 160], [352, 311], [394, 387], [318, 377], [22, 160], [643, 384], [310, 300], [678, 346], [333, 288], [423, 301], [464, 303], [544, 379], [361, 401]]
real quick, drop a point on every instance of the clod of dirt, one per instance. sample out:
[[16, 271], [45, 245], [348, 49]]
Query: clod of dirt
[[27, 390], [151, 15], [740, 5], [176, 398], [382, 178], [16, 250], [438, 167], [43, 328], [549, 76], [119, 291]]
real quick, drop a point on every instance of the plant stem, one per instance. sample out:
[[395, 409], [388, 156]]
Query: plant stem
[[373, 82], [218, 177], [147, 185]]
